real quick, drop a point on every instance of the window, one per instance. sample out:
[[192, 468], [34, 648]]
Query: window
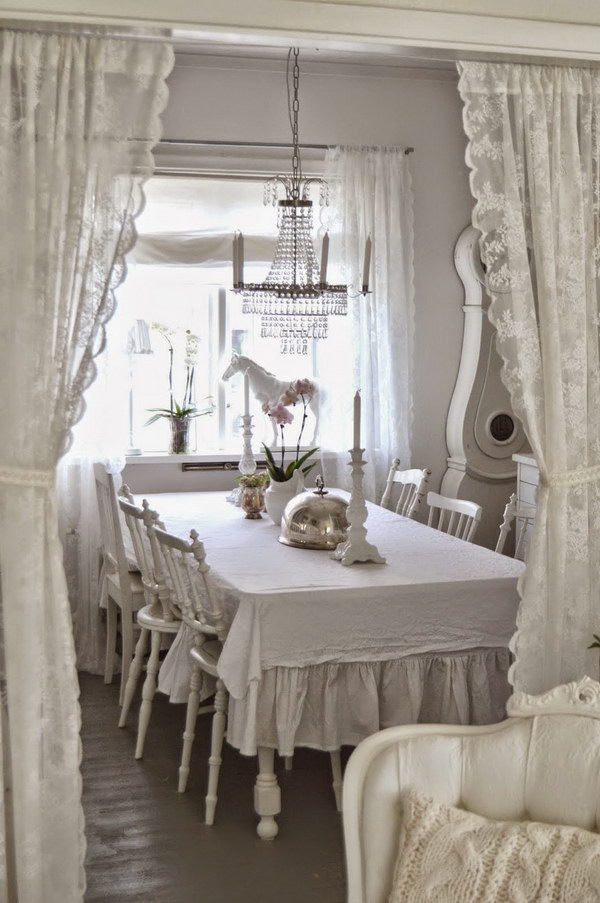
[[178, 283]]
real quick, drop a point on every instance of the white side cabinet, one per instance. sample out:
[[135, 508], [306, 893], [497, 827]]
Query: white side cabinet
[[528, 477]]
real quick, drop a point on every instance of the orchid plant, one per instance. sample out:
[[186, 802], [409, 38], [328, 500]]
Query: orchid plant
[[187, 409], [303, 391]]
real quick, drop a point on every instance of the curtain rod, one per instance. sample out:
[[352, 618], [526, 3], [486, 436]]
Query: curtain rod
[[192, 142], [85, 31]]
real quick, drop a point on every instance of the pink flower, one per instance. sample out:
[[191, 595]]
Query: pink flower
[[304, 387], [280, 414], [290, 396]]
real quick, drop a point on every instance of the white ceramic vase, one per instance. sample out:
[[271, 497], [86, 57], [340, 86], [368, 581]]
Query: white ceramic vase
[[279, 494]]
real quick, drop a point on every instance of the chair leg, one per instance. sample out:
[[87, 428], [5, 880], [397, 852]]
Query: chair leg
[[127, 652], [336, 771], [289, 762], [190, 725], [216, 748], [111, 639], [148, 691], [134, 675]]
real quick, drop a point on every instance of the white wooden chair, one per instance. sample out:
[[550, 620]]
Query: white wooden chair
[[122, 589], [188, 571], [413, 484], [189, 574], [541, 764], [457, 517], [157, 618], [525, 517]]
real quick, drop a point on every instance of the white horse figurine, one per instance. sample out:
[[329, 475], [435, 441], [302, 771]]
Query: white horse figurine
[[266, 388]]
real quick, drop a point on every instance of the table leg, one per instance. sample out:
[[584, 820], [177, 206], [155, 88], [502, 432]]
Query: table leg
[[267, 795]]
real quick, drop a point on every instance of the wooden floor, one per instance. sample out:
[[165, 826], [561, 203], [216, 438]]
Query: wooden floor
[[148, 844]]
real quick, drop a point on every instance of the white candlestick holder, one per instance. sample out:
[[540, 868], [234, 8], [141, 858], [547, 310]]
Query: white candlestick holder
[[247, 463], [356, 548]]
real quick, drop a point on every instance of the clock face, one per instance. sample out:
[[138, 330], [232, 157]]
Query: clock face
[[502, 427]]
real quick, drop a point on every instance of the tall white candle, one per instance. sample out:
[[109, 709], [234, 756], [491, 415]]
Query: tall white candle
[[367, 264], [235, 258], [324, 257], [246, 395], [357, 420], [240, 258]]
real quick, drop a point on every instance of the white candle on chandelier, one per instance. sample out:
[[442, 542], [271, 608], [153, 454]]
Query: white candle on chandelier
[[240, 258], [235, 258], [246, 395], [324, 257], [367, 265], [357, 420]]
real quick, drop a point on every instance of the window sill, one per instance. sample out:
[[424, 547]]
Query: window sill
[[166, 458], [216, 457]]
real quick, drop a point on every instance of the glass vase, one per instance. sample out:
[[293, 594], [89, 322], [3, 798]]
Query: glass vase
[[180, 435], [252, 501]]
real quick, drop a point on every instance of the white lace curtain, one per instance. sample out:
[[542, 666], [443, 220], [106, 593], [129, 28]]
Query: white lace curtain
[[78, 117], [534, 151], [101, 435], [371, 195]]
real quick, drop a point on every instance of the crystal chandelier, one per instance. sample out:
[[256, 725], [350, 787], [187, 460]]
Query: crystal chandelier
[[295, 299]]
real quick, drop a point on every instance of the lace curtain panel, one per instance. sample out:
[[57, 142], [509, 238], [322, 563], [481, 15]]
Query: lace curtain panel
[[534, 152], [101, 435], [78, 117], [371, 195]]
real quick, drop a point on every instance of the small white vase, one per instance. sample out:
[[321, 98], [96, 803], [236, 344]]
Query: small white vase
[[279, 494]]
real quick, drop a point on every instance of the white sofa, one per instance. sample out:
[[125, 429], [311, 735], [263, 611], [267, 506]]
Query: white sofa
[[542, 764]]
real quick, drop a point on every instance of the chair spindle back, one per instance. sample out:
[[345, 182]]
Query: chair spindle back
[[134, 518], [113, 550], [457, 517], [413, 484], [192, 585], [524, 515]]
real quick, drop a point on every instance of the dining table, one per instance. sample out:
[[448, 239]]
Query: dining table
[[322, 655]]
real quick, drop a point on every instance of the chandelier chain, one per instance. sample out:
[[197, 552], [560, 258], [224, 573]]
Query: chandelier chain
[[296, 166]]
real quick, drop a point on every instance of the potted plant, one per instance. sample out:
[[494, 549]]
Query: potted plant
[[180, 416], [252, 497], [287, 480]]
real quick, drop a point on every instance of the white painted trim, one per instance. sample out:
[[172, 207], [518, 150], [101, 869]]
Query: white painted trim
[[363, 24], [370, 65], [524, 458], [467, 263]]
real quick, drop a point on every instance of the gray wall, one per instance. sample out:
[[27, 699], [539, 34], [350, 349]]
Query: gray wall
[[232, 99]]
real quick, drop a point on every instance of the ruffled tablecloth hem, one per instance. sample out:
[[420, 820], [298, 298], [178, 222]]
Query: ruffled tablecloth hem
[[331, 705]]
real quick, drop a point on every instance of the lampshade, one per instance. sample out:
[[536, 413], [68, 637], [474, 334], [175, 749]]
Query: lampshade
[[138, 339]]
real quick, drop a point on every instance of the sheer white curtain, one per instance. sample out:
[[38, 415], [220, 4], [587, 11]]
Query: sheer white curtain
[[371, 195], [534, 151], [101, 435], [78, 116]]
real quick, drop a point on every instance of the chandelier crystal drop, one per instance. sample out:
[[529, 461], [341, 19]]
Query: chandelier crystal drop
[[295, 300]]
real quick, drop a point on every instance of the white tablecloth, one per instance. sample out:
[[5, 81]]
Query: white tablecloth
[[319, 654], [298, 607]]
